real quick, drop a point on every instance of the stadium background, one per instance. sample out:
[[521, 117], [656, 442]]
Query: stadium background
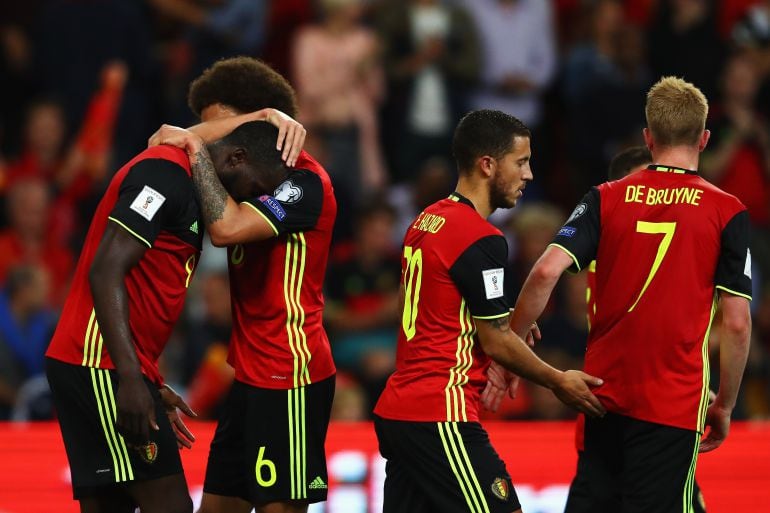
[[380, 86]]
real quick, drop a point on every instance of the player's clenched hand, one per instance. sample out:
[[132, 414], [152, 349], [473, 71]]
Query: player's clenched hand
[[291, 133], [172, 403], [136, 411], [176, 136], [718, 422], [573, 390]]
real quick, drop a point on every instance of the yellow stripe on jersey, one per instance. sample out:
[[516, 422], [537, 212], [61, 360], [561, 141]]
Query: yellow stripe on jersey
[[571, 255], [132, 232], [733, 292], [258, 211], [301, 325], [458, 377], [87, 340], [294, 269], [704, 393]]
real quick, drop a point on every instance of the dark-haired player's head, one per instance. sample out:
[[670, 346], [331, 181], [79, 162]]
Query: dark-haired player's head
[[676, 114], [239, 85], [629, 161], [493, 146], [247, 162]]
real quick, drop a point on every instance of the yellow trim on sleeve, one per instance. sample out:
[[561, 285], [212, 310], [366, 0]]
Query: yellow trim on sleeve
[[129, 230], [573, 257], [487, 317], [258, 211], [734, 293]]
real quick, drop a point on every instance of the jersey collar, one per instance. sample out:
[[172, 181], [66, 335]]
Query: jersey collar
[[456, 196], [671, 169]]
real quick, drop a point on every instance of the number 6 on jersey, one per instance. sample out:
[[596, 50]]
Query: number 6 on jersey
[[412, 283]]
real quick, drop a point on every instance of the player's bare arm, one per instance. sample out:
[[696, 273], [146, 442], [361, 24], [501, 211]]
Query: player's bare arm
[[291, 134], [227, 222], [509, 350], [118, 253], [538, 288], [735, 334]]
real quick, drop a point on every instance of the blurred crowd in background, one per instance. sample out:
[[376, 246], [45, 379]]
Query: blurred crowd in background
[[381, 85]]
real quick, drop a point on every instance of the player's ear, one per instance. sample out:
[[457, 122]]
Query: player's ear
[[487, 165], [704, 140], [648, 141], [237, 157]]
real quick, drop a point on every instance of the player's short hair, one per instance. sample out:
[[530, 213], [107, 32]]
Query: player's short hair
[[628, 160], [244, 84], [676, 112], [258, 139], [485, 132]]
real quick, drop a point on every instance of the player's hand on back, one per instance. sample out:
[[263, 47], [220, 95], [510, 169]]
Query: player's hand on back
[[135, 411], [176, 136], [718, 423], [291, 133], [573, 389], [172, 403]]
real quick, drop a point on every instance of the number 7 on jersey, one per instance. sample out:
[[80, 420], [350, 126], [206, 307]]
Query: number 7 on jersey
[[667, 229], [412, 283]]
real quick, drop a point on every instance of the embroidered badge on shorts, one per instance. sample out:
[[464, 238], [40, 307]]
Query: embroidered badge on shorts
[[500, 489]]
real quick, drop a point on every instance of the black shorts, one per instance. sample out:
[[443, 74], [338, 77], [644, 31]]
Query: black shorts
[[269, 444], [98, 456], [633, 466], [442, 466]]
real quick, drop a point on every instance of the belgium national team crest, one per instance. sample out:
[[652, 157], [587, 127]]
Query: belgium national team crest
[[500, 489], [149, 452]]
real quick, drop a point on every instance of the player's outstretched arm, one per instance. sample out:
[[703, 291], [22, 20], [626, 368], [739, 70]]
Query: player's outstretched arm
[[735, 333], [291, 133], [117, 254], [509, 350]]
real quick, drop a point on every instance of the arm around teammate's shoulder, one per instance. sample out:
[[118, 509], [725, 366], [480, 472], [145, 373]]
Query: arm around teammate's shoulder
[[509, 350]]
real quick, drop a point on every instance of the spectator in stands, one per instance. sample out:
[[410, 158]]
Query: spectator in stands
[[76, 39], [684, 42], [26, 325], [28, 240], [605, 78], [751, 34], [431, 56], [432, 182], [73, 172], [519, 54], [362, 284], [339, 84], [738, 156]]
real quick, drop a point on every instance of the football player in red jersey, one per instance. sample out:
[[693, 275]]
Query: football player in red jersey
[[278, 243], [455, 321], [669, 247], [126, 295]]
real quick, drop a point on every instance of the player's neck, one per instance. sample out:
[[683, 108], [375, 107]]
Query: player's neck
[[678, 156], [477, 193]]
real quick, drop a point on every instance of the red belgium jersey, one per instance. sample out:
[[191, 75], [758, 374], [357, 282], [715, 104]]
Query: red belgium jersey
[[152, 197], [452, 273], [664, 241], [278, 339]]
